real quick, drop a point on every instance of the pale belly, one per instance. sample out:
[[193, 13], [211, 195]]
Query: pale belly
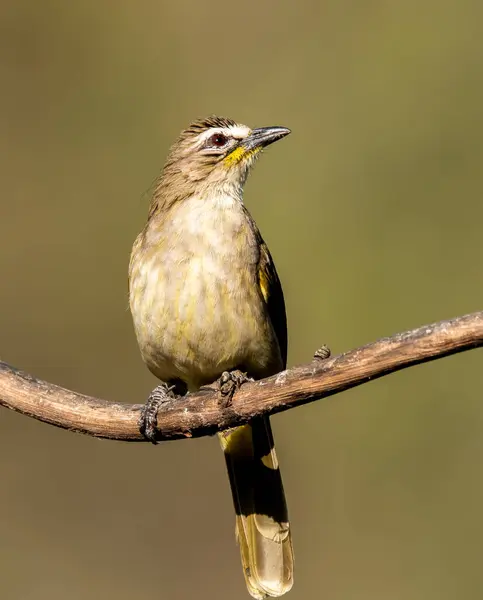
[[198, 313]]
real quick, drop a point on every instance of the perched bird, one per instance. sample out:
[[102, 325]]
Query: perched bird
[[206, 300]]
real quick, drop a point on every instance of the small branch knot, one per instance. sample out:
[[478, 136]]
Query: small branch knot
[[322, 353]]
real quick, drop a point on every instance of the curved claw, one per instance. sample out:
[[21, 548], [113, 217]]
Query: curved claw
[[229, 383]]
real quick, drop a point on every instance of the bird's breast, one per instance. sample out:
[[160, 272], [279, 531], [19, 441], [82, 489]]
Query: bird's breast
[[194, 292]]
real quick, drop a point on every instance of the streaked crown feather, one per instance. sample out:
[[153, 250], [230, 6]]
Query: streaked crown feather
[[200, 125]]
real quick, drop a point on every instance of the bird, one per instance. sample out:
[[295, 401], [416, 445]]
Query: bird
[[207, 303]]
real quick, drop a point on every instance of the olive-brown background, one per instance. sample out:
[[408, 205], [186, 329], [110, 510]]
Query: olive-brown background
[[372, 209]]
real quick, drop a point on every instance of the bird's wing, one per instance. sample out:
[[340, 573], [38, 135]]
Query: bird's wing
[[271, 289]]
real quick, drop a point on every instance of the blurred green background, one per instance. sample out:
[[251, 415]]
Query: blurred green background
[[373, 211]]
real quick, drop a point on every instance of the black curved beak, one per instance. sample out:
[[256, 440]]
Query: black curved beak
[[263, 136]]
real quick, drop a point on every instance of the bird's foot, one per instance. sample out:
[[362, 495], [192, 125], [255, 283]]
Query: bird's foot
[[322, 353], [148, 421], [229, 383]]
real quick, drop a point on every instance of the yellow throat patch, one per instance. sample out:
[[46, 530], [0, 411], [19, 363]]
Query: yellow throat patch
[[240, 154]]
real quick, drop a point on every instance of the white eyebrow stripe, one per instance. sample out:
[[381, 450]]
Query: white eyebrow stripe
[[239, 132]]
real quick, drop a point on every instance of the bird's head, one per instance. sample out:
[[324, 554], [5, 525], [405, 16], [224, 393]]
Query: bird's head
[[213, 153]]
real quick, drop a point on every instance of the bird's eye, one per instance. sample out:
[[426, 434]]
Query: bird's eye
[[218, 140]]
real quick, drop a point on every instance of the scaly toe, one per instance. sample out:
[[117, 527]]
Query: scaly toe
[[229, 383], [148, 421]]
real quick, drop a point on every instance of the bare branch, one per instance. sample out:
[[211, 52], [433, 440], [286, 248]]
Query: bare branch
[[202, 414]]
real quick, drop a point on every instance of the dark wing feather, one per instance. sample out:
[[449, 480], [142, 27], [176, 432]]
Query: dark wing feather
[[273, 295]]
